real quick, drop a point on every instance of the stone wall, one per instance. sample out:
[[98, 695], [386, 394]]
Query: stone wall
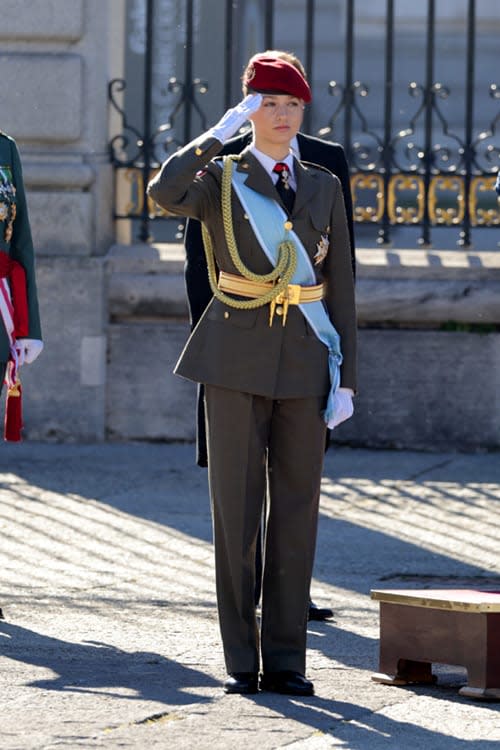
[[420, 386]]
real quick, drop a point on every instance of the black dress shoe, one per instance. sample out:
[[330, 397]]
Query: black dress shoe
[[287, 683], [241, 682], [319, 613]]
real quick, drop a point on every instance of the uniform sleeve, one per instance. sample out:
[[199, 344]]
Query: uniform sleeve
[[340, 298], [21, 245], [198, 288], [343, 175], [183, 186]]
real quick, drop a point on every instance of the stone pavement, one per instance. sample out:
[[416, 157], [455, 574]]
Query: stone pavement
[[110, 636]]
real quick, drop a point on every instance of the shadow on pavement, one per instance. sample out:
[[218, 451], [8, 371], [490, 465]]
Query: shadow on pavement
[[94, 667], [361, 728], [359, 541], [155, 484]]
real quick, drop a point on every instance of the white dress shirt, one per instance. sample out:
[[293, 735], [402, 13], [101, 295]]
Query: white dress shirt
[[269, 163]]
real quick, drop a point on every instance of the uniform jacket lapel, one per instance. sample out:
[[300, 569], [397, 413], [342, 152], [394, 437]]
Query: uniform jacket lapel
[[258, 179], [308, 185]]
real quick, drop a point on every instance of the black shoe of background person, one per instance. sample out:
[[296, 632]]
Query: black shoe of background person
[[286, 683], [319, 613], [245, 683]]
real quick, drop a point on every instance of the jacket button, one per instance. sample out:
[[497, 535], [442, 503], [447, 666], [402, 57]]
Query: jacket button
[[226, 314], [279, 310]]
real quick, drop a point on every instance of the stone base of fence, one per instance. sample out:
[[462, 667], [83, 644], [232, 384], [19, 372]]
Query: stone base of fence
[[429, 350]]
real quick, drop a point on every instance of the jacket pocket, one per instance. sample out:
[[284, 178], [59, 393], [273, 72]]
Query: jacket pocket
[[320, 219]]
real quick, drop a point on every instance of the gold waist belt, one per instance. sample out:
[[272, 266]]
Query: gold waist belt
[[294, 294]]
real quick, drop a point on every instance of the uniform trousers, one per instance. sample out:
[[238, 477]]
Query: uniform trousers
[[255, 441]]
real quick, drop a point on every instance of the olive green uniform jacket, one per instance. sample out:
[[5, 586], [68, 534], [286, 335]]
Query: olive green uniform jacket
[[237, 349], [20, 246]]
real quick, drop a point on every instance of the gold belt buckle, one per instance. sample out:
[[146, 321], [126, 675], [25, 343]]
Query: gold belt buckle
[[291, 296]]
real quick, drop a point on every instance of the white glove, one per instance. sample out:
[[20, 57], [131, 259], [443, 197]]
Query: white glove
[[234, 118], [28, 350], [343, 407]]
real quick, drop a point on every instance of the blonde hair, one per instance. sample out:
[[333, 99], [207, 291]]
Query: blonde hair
[[288, 57]]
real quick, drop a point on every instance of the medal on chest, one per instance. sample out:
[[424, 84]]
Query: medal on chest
[[322, 249], [7, 202]]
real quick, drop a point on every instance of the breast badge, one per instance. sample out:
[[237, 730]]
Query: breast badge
[[7, 202], [322, 249]]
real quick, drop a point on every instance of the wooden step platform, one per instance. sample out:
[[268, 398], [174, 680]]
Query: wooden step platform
[[441, 626]]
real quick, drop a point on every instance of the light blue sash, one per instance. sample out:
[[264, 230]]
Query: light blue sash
[[269, 231]]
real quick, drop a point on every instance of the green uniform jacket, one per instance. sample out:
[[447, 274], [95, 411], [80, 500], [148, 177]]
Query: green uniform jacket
[[20, 246], [237, 349]]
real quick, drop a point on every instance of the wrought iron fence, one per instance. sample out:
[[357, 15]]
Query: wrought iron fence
[[427, 173]]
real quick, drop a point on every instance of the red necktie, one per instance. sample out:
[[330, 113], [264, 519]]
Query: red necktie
[[286, 193]]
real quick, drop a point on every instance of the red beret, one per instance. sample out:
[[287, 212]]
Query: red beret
[[272, 75]]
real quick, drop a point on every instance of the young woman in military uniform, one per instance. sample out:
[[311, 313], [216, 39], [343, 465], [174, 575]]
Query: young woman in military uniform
[[307, 148], [275, 350]]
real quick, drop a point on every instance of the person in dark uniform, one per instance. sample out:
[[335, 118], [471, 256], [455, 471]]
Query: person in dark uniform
[[311, 149], [20, 334], [276, 351], [497, 184]]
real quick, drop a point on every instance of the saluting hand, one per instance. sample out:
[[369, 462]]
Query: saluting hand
[[235, 117]]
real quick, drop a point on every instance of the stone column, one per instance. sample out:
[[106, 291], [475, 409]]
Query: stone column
[[57, 57]]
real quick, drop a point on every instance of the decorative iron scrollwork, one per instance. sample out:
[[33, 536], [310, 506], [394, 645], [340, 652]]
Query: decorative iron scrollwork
[[484, 206], [428, 170], [406, 194], [365, 187], [406, 199], [119, 145], [127, 148], [441, 189]]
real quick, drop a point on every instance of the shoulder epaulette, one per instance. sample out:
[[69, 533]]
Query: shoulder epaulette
[[313, 165]]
